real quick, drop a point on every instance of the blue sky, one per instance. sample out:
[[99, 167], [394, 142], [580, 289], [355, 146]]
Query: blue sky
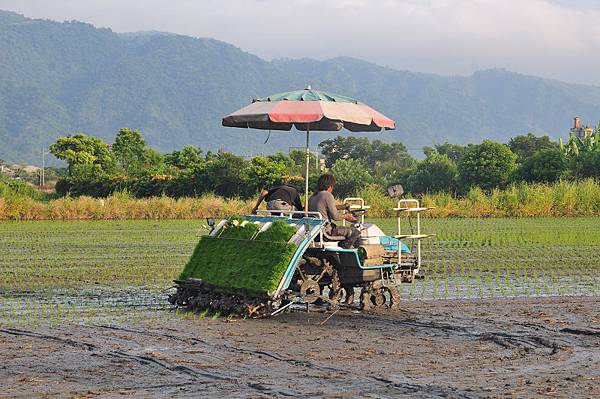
[[549, 38]]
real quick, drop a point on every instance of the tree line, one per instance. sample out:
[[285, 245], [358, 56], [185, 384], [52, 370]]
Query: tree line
[[98, 169]]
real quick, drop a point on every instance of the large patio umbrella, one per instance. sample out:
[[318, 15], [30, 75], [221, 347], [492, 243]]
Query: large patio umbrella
[[309, 110]]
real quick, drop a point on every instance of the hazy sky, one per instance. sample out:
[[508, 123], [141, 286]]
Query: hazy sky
[[551, 38]]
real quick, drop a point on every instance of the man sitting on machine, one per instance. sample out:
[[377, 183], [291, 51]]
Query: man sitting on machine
[[324, 203]]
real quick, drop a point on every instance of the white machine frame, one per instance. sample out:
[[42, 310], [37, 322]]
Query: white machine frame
[[406, 207]]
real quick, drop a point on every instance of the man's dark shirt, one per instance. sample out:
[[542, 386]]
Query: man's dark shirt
[[287, 194]]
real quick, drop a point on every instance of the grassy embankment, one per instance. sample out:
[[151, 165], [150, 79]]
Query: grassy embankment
[[523, 200]]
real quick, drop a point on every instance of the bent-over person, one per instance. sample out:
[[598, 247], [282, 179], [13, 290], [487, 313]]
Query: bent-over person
[[280, 198]]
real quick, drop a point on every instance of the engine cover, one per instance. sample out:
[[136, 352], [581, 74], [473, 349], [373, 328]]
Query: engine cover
[[370, 233]]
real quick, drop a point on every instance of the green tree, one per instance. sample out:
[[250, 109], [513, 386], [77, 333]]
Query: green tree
[[436, 173], [527, 145], [351, 176], [387, 161], [188, 158], [586, 164], [357, 148], [224, 174], [487, 165], [282, 158], [453, 151], [132, 153], [264, 172], [81, 149], [384, 161], [90, 165], [395, 153], [547, 165]]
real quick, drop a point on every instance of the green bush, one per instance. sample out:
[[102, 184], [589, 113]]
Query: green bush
[[436, 173], [546, 166], [20, 189], [351, 177], [487, 165]]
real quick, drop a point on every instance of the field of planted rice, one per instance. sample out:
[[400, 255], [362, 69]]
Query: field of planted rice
[[84, 271]]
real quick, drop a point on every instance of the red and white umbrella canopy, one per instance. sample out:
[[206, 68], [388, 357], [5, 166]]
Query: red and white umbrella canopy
[[309, 110]]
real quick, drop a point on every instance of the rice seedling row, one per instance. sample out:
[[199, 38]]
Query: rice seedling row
[[505, 258], [86, 271]]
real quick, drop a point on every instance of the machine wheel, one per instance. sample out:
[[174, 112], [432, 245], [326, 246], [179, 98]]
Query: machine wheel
[[394, 297], [349, 290], [378, 298], [335, 290], [365, 298], [310, 291], [378, 294]]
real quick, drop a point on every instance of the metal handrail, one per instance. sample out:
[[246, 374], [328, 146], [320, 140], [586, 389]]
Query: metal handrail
[[290, 213], [350, 200]]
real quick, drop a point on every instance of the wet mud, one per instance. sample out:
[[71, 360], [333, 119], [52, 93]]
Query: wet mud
[[540, 347]]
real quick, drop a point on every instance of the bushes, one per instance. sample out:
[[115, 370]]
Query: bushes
[[121, 206], [545, 166], [564, 198], [436, 173], [351, 176], [20, 189], [487, 165], [586, 164]]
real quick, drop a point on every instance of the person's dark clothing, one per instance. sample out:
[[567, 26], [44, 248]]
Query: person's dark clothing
[[287, 194], [352, 235]]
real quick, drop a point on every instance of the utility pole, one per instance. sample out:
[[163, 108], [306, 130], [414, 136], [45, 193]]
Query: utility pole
[[43, 171]]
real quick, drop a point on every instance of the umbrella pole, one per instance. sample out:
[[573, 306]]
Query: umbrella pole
[[306, 175]]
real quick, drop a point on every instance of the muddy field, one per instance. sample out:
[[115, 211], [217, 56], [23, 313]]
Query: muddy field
[[545, 347], [506, 308]]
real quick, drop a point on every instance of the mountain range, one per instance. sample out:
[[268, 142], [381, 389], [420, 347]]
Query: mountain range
[[62, 78]]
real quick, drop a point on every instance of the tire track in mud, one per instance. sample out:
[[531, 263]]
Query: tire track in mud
[[66, 341], [96, 351], [525, 342], [580, 331], [522, 340], [252, 382], [434, 391], [259, 353], [147, 360], [360, 380], [261, 387], [197, 376]]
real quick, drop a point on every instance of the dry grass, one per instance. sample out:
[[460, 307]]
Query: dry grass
[[120, 207], [564, 198]]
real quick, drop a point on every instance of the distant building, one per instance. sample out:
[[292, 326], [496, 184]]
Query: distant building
[[29, 168], [12, 169], [580, 131]]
